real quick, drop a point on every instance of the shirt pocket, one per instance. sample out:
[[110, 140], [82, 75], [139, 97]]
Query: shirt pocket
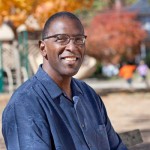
[[102, 138]]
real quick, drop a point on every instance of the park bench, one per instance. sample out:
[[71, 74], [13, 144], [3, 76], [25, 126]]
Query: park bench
[[131, 138]]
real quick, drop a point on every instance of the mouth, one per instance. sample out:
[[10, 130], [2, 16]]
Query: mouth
[[70, 58]]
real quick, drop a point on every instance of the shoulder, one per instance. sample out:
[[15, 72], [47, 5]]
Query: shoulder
[[87, 90], [22, 95], [83, 85], [25, 88], [23, 104]]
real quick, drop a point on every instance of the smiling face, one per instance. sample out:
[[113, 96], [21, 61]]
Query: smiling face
[[62, 60]]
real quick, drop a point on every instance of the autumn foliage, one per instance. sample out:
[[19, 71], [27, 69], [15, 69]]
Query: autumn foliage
[[17, 11], [113, 34]]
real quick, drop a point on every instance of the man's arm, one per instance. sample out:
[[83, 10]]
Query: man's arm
[[24, 129], [114, 139]]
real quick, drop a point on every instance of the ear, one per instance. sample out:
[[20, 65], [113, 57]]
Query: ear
[[42, 47]]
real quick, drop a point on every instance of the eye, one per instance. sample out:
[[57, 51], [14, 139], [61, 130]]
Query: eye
[[79, 39], [62, 38]]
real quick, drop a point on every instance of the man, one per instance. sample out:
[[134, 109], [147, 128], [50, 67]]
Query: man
[[52, 110]]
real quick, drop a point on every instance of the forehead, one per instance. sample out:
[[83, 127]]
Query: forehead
[[65, 25]]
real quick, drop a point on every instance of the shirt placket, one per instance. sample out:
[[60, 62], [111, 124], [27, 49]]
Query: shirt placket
[[81, 119]]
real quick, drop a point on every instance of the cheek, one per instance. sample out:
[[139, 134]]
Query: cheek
[[82, 49], [51, 56]]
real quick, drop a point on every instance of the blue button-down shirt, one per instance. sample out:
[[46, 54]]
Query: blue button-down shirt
[[39, 116]]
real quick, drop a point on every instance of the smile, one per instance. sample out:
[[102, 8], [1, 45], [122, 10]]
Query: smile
[[70, 58]]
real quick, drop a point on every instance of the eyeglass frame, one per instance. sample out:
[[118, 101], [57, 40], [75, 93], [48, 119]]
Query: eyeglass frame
[[69, 37]]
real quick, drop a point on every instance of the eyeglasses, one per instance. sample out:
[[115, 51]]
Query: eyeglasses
[[64, 39]]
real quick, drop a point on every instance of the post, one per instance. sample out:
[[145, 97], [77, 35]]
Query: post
[[23, 44], [25, 38], [1, 69]]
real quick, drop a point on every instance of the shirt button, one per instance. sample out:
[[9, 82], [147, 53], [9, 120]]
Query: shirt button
[[82, 125], [89, 144]]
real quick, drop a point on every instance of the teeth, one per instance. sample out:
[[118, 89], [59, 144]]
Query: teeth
[[70, 59]]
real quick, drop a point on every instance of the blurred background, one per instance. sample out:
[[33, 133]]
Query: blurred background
[[117, 59]]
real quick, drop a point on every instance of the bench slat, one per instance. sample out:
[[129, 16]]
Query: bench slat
[[131, 138]]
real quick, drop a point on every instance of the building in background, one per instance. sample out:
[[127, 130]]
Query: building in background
[[142, 7]]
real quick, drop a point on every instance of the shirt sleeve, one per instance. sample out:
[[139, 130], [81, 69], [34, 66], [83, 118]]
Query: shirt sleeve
[[22, 131], [115, 141]]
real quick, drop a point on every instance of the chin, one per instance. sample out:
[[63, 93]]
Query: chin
[[70, 74], [69, 71]]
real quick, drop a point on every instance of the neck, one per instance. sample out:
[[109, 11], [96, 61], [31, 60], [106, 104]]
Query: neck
[[64, 82], [65, 85]]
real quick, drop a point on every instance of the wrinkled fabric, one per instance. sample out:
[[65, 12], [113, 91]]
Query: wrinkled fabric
[[39, 116]]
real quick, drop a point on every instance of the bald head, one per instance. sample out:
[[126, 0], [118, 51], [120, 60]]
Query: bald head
[[59, 15]]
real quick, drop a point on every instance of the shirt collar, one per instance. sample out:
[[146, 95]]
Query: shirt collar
[[76, 90], [48, 83], [53, 89]]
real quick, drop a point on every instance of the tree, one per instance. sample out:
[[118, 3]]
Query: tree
[[17, 11], [101, 5], [114, 34]]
